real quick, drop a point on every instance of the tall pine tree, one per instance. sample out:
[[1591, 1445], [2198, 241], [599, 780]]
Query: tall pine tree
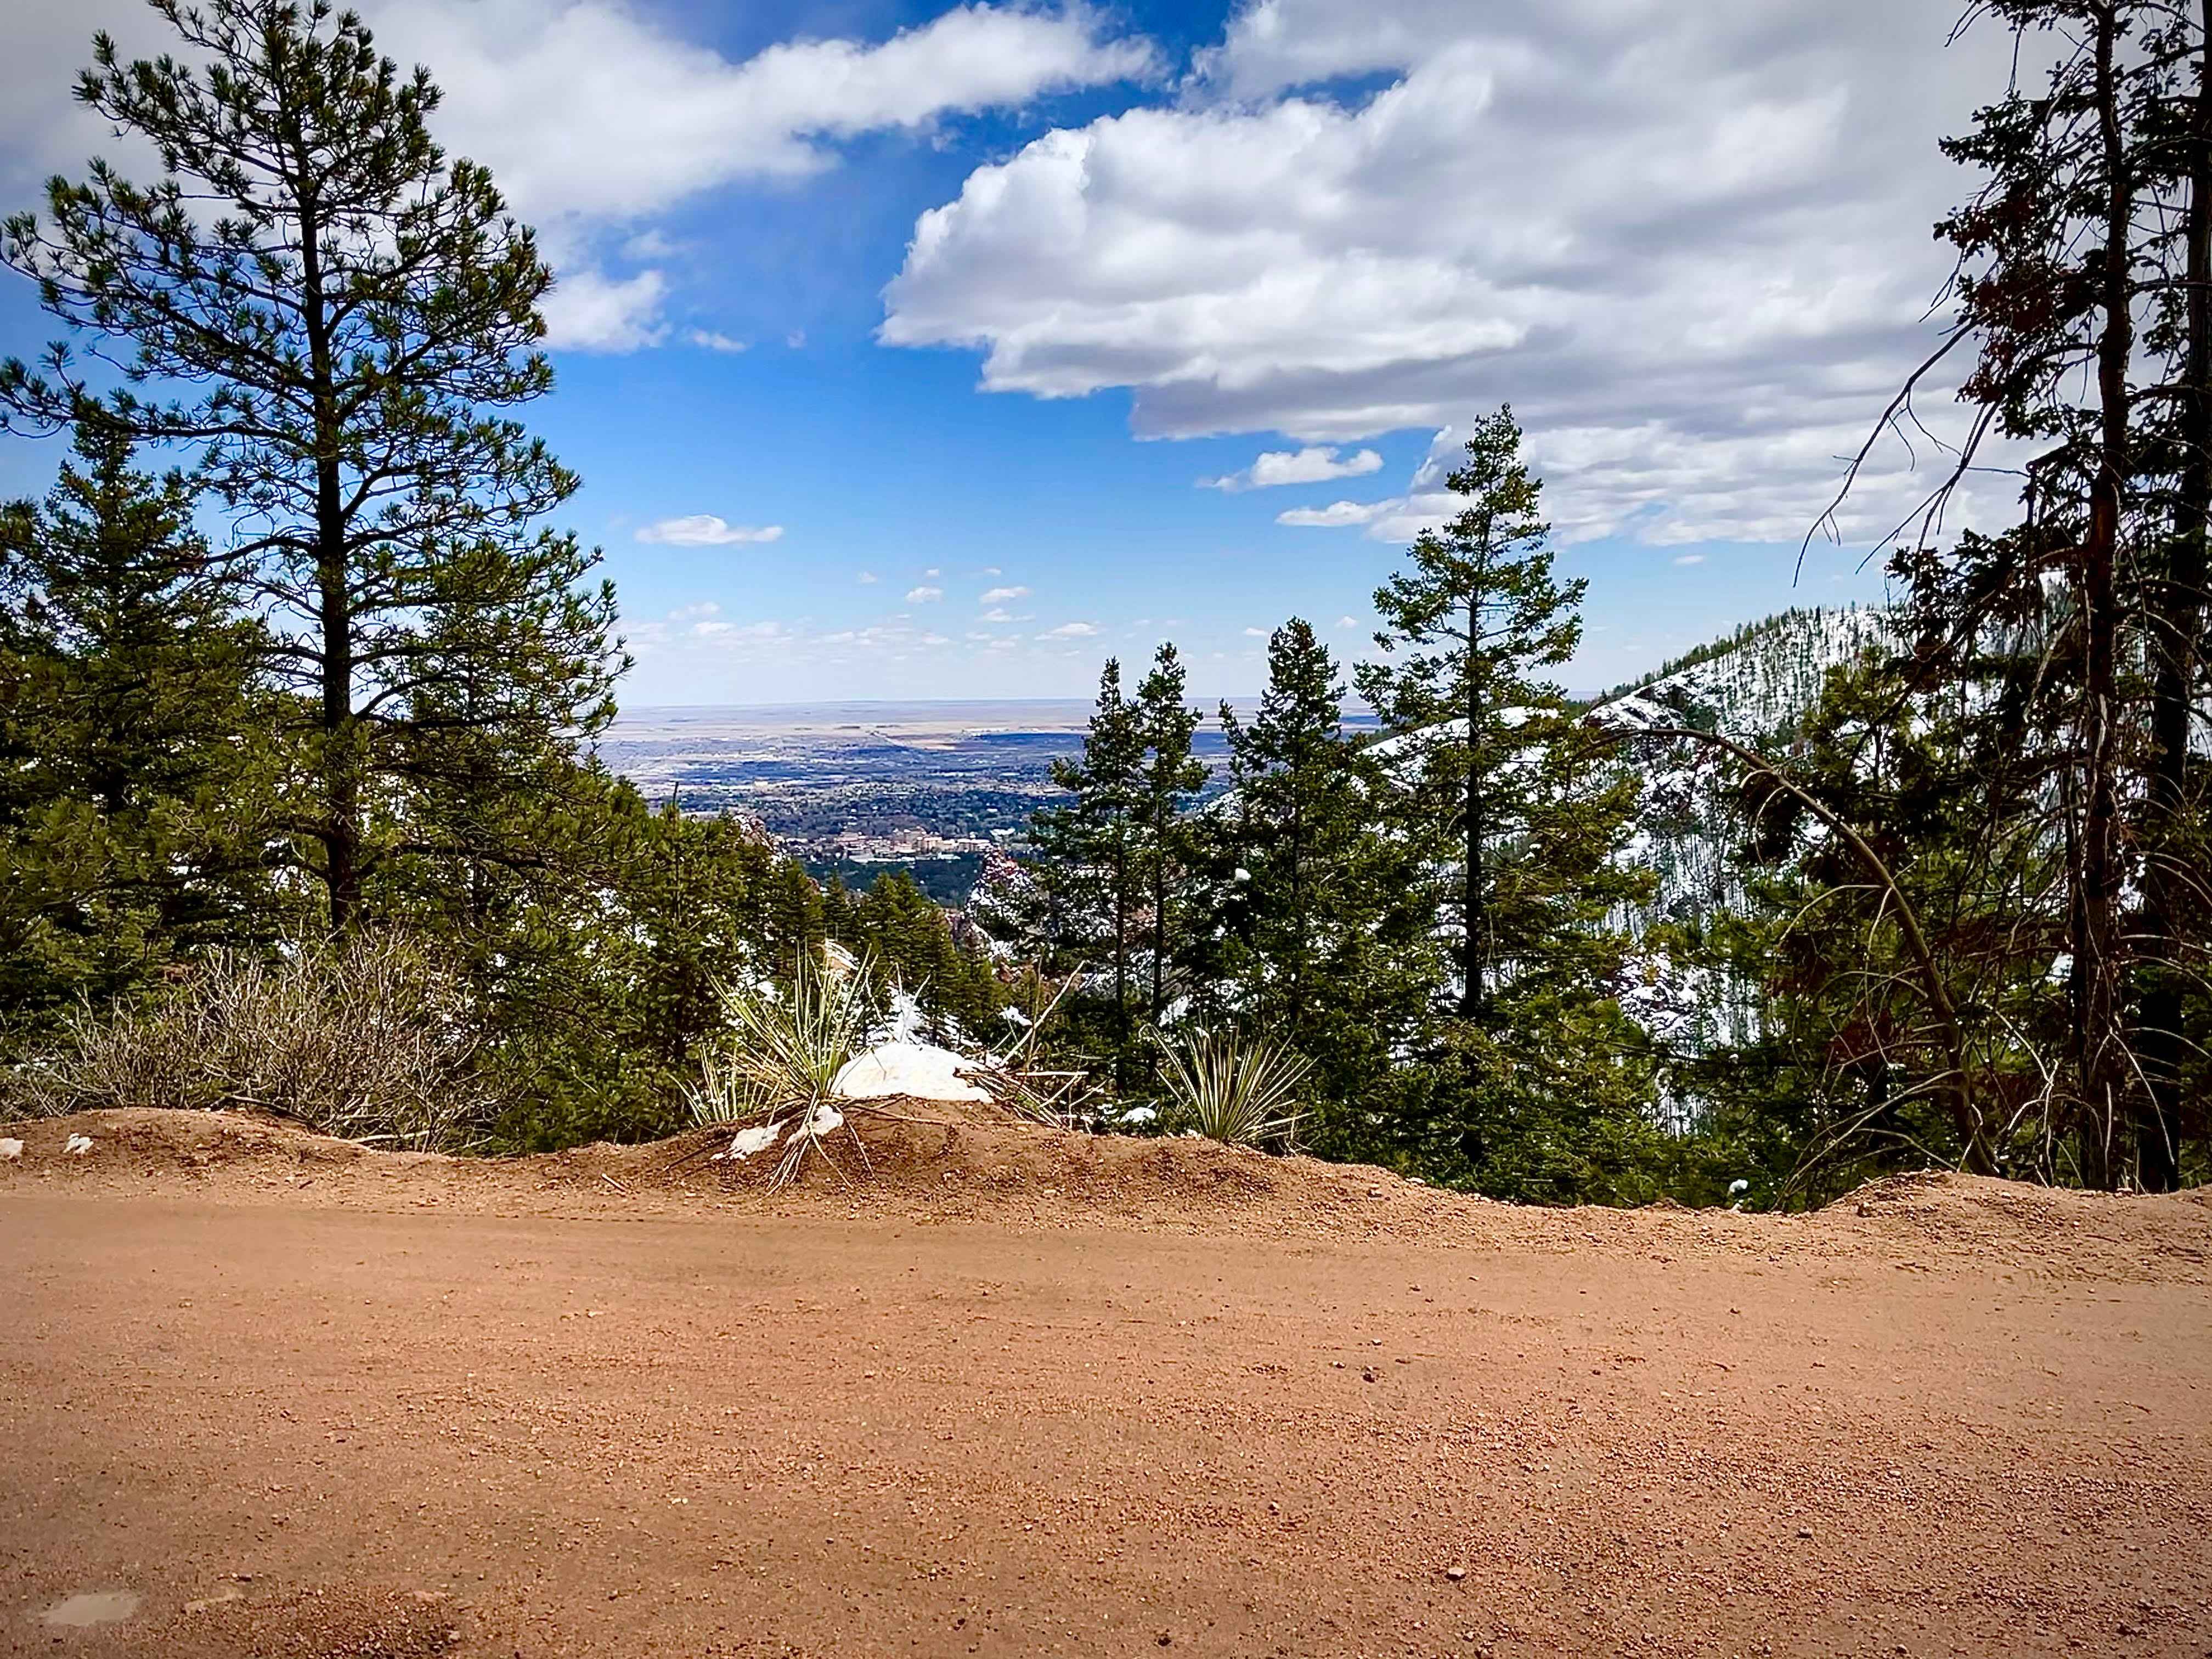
[[333, 315], [1089, 863], [1535, 1071], [1321, 942], [1169, 778]]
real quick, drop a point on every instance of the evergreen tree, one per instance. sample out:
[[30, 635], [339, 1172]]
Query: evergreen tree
[[1089, 853], [1522, 805], [2083, 287], [1318, 944], [1168, 779], [134, 805], [908, 939], [333, 313], [598, 980]]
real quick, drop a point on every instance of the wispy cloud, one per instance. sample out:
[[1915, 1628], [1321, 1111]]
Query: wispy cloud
[[704, 530], [1335, 514], [1001, 595], [1072, 630], [1691, 558], [924, 595], [714, 340]]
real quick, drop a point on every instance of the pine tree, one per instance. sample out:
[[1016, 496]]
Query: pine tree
[[1523, 807], [1089, 852], [332, 313], [135, 807], [2080, 288], [1169, 777], [908, 938], [1319, 946]]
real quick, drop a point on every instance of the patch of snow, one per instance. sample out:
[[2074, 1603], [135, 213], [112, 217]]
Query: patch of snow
[[758, 1139], [1140, 1115], [77, 1146], [826, 1118], [920, 1069], [10, 1150]]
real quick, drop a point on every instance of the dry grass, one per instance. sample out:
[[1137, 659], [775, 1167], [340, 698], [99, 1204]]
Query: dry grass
[[365, 1039]]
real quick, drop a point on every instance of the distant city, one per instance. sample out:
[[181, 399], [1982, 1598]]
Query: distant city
[[852, 789]]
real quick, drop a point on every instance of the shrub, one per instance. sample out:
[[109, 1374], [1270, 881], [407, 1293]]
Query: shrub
[[783, 1046], [366, 1038], [1230, 1088], [782, 1051]]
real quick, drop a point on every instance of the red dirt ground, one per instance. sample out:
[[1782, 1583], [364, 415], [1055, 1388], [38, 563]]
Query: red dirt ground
[[1019, 1393]]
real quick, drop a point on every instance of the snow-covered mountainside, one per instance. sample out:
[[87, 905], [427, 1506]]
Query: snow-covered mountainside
[[1761, 679], [1754, 686]]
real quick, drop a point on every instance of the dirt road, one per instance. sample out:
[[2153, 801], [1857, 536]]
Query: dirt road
[[315, 1432]]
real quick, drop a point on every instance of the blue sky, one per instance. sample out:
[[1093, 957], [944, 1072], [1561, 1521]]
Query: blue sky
[[966, 302]]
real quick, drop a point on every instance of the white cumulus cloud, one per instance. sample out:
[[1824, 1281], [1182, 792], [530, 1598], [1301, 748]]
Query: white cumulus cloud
[[1688, 243], [1335, 514], [595, 115], [588, 312], [924, 595], [1316, 464], [1001, 595], [1072, 630]]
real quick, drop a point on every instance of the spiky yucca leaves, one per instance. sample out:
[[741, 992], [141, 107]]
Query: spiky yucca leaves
[[1230, 1088], [783, 1046], [780, 1054]]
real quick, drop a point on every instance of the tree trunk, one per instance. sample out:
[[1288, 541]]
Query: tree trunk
[[341, 834], [1471, 989], [1159, 912], [2100, 1040], [1121, 956], [1301, 934], [2176, 617]]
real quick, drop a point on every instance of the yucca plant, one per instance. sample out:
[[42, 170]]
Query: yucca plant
[[1231, 1088], [775, 1061]]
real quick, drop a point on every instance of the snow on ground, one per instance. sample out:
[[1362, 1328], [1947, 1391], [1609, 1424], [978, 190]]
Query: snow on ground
[[919, 1069]]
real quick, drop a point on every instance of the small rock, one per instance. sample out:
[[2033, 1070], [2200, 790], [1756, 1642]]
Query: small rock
[[1454, 1573], [1804, 1532]]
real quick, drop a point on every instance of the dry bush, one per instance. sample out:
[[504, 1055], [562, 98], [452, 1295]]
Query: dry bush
[[366, 1039]]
